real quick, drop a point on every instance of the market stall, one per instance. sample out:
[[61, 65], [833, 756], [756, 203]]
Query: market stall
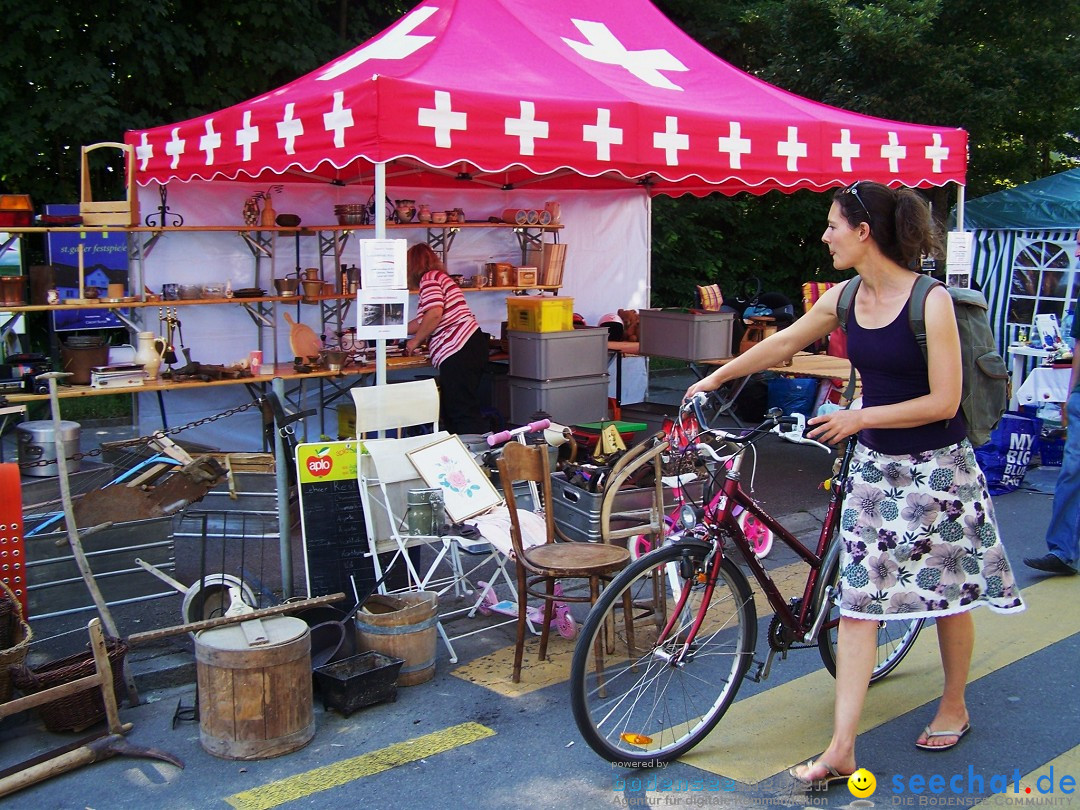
[[594, 106]]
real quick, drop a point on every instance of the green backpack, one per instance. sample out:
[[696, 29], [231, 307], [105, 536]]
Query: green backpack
[[985, 389]]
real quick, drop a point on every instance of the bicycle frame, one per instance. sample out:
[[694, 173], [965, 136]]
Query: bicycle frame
[[718, 515]]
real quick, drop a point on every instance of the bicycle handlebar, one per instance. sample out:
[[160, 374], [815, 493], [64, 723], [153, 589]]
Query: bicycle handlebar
[[507, 435], [774, 422]]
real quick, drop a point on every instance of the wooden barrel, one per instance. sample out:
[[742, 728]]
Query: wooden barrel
[[402, 626], [255, 700]]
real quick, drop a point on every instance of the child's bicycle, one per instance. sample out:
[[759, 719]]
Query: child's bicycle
[[562, 621], [681, 433], [664, 650]]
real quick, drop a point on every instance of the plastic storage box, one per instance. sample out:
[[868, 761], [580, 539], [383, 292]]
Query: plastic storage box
[[569, 401], [540, 313], [686, 335], [558, 355]]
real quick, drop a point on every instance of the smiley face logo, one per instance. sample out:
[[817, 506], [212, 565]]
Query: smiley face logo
[[862, 783]]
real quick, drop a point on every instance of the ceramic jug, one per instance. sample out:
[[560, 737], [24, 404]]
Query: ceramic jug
[[149, 349]]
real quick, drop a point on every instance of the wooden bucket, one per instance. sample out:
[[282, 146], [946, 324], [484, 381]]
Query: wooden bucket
[[402, 632], [255, 701]]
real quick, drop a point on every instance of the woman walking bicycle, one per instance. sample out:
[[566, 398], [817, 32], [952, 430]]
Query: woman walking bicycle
[[919, 538]]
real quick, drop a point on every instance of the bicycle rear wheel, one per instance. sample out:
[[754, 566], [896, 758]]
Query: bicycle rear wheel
[[895, 637], [640, 702]]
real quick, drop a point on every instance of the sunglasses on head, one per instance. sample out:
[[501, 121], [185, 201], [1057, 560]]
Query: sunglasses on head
[[853, 190]]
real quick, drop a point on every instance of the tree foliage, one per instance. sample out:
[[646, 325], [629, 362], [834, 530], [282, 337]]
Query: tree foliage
[[1005, 71], [85, 73]]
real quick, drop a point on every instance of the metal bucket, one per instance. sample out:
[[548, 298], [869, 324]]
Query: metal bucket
[[425, 514], [37, 442]]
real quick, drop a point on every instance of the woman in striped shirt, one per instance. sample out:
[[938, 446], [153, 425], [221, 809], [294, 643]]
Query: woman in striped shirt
[[457, 346]]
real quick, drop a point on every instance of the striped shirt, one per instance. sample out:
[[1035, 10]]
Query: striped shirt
[[457, 323]]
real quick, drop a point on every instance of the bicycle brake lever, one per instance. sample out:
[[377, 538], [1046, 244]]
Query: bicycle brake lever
[[797, 432]]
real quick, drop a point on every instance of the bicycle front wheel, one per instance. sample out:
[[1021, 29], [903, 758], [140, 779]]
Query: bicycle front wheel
[[642, 695], [895, 637]]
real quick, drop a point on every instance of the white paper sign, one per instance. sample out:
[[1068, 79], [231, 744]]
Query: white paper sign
[[383, 264], [382, 314], [958, 255]]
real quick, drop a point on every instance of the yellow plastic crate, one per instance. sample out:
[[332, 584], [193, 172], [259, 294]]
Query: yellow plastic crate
[[540, 313]]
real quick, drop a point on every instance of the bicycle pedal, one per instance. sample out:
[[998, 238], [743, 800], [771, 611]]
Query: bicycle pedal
[[756, 672]]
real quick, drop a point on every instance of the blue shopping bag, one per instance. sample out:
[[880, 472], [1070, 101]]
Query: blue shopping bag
[[1005, 458], [793, 395]]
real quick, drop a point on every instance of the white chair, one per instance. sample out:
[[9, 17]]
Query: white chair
[[387, 475]]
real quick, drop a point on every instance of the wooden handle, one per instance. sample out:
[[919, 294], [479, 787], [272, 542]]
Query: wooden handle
[[206, 624]]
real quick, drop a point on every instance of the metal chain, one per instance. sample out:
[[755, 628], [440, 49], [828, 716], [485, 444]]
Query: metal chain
[[143, 440]]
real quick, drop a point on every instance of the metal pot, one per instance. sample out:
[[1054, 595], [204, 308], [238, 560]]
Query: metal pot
[[286, 286]]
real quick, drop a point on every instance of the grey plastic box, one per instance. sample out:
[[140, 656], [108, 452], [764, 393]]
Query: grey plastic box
[[568, 402], [686, 335], [558, 355], [577, 511]]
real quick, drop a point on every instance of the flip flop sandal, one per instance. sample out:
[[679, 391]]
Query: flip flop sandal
[[931, 734], [831, 775]]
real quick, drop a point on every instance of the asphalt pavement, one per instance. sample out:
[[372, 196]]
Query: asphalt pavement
[[470, 738]]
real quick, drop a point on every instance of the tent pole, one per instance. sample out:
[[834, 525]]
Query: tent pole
[[959, 207], [380, 233]]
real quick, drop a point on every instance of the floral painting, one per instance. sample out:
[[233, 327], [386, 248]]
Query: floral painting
[[448, 465]]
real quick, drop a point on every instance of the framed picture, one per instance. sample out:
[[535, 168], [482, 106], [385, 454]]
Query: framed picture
[[448, 465]]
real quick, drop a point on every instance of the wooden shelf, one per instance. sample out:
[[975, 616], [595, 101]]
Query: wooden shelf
[[300, 229], [282, 370], [136, 304]]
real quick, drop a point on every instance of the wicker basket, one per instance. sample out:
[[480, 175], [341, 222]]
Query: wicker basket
[[8, 620], [82, 709], [19, 641]]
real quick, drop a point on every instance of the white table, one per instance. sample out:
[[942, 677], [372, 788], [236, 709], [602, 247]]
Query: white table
[[1019, 356], [1044, 385]]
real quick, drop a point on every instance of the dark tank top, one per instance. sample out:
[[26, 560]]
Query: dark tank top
[[892, 369]]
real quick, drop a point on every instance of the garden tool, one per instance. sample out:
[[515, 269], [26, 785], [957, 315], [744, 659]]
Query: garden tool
[[68, 758]]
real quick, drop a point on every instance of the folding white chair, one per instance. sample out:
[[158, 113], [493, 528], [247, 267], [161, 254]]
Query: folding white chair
[[387, 475]]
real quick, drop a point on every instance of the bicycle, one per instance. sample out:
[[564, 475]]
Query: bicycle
[[663, 652]]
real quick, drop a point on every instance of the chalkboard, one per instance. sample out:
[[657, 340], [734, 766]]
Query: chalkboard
[[332, 519]]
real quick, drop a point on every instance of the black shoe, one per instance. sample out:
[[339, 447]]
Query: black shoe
[[1050, 563]]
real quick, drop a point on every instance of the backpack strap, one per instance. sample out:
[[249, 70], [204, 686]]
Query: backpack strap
[[843, 309], [847, 300], [917, 310]]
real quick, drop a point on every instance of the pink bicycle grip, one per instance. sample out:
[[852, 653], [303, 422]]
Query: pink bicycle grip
[[506, 435]]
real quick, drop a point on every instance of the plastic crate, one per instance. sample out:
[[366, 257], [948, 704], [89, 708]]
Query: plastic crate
[[540, 313], [686, 335], [569, 401], [558, 355]]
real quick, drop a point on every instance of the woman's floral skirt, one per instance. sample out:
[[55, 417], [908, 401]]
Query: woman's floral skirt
[[919, 538]]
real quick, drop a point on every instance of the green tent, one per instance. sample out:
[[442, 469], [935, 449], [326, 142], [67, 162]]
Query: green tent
[[1050, 202]]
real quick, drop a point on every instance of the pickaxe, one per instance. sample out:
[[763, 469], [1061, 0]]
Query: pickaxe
[[75, 755]]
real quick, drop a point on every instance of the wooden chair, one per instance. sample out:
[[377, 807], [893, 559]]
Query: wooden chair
[[552, 560]]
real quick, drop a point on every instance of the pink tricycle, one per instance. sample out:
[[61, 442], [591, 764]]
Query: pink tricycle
[[562, 621]]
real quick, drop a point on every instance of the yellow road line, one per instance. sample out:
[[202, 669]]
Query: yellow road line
[[304, 784], [495, 670], [764, 734], [1041, 782]]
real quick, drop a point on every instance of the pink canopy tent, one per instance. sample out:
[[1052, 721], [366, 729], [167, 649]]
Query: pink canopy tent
[[563, 94]]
